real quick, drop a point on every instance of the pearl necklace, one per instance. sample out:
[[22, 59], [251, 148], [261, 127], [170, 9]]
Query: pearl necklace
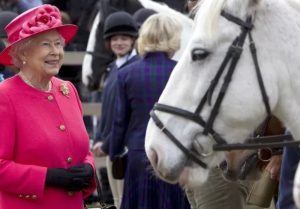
[[27, 81]]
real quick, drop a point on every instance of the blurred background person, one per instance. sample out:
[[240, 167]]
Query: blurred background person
[[290, 160], [23, 5], [19, 6], [139, 87], [5, 18], [120, 33], [141, 15]]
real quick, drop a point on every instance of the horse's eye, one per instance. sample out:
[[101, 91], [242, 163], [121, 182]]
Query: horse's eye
[[199, 54]]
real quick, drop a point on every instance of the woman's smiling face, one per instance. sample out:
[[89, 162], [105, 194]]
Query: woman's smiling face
[[45, 54], [121, 44]]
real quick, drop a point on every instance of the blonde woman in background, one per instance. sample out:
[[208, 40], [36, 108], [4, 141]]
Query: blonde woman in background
[[139, 87]]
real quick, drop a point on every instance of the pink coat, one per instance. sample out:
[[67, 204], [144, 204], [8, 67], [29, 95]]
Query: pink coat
[[40, 130]]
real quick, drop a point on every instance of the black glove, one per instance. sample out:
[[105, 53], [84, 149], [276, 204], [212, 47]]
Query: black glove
[[74, 178], [83, 171]]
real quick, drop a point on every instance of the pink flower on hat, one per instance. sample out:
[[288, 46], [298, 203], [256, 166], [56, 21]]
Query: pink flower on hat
[[46, 18]]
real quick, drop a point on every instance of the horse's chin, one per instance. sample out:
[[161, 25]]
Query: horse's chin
[[187, 176], [170, 178], [193, 177], [166, 169]]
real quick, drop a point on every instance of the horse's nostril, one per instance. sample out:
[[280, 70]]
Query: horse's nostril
[[223, 165]]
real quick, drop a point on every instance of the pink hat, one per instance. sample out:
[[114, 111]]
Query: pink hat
[[32, 22]]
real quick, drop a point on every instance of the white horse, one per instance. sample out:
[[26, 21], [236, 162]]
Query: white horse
[[275, 31]]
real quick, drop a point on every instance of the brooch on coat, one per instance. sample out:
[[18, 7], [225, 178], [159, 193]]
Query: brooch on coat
[[64, 89]]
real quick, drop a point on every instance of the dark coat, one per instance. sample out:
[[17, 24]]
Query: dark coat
[[139, 87], [104, 126]]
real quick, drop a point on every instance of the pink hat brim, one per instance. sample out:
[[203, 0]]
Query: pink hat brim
[[67, 31]]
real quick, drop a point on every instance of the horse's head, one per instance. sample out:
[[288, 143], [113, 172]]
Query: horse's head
[[205, 104]]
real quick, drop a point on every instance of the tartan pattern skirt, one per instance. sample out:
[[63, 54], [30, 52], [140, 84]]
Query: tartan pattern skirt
[[143, 190]]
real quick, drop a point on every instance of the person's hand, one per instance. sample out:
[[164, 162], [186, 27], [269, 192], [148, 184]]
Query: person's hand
[[74, 178], [84, 170], [273, 167], [97, 150]]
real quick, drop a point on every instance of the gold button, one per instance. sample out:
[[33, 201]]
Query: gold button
[[34, 197], [27, 196], [62, 127], [20, 196], [70, 193], [50, 97], [69, 160]]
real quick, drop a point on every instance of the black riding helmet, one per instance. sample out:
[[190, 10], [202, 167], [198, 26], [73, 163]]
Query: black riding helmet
[[142, 14], [5, 18], [120, 23]]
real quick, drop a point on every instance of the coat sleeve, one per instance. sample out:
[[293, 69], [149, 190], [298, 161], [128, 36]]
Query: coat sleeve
[[19, 179], [104, 129], [121, 119]]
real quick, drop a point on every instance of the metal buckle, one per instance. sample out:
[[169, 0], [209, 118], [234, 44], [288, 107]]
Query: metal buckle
[[265, 154]]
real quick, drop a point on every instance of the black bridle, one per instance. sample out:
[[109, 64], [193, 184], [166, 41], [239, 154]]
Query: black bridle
[[230, 61]]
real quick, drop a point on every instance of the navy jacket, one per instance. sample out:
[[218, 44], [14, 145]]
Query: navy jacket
[[139, 87], [103, 132]]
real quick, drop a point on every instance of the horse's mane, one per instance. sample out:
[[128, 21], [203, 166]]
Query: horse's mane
[[208, 15], [161, 7]]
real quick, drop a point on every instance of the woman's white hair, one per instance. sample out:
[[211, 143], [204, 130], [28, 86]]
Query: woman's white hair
[[17, 49]]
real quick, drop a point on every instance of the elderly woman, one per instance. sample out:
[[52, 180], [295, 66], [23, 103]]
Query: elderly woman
[[45, 161], [139, 87]]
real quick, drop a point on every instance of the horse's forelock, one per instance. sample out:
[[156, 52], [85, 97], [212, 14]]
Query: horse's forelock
[[208, 14], [207, 17]]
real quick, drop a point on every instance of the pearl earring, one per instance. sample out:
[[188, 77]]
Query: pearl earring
[[24, 62]]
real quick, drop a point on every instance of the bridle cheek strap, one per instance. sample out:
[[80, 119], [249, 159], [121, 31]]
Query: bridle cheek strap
[[190, 155]]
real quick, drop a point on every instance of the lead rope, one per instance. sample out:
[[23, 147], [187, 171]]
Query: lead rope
[[102, 205]]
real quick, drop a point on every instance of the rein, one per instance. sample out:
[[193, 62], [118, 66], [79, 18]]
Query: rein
[[230, 61]]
